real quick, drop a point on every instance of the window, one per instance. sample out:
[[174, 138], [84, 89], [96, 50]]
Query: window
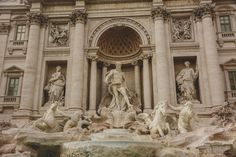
[[225, 23], [13, 87], [232, 79], [20, 32]]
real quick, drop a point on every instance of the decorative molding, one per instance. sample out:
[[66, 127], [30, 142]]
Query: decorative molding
[[202, 10], [4, 28], [78, 16], [37, 18], [228, 64], [159, 11], [13, 70], [119, 22]]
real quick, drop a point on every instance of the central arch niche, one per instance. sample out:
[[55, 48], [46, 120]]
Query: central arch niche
[[119, 43]]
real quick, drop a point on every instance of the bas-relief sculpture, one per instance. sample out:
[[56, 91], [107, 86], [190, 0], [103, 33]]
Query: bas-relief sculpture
[[120, 119], [59, 35], [186, 84], [55, 87], [181, 29]]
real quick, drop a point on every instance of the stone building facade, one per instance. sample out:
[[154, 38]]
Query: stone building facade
[[151, 39]]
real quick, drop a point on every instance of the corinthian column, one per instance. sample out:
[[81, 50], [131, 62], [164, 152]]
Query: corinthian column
[[213, 67], [104, 85], [162, 68], [78, 18], [93, 84], [146, 84], [28, 86], [137, 78], [4, 31]]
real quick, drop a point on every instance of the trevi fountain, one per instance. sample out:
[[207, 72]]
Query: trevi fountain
[[120, 128]]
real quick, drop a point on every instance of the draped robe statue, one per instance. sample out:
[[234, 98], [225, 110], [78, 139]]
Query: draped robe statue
[[55, 86], [185, 82]]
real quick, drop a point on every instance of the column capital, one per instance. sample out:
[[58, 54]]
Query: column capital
[[105, 64], [4, 28], [92, 57], [146, 56], [159, 12], [135, 62], [203, 10], [79, 16], [37, 18]]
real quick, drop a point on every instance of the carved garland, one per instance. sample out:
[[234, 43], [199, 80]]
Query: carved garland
[[100, 27]]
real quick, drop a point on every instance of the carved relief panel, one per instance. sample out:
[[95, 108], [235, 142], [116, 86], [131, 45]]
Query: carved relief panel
[[181, 29], [58, 35]]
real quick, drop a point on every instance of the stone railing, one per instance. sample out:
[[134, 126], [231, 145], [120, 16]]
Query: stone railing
[[17, 45], [230, 95], [9, 100], [227, 35]]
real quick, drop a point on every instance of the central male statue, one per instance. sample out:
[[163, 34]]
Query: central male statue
[[118, 89]]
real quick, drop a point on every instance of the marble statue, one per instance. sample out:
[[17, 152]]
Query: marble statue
[[117, 88], [55, 86], [159, 124], [48, 122], [73, 121], [119, 102], [186, 115], [185, 82]]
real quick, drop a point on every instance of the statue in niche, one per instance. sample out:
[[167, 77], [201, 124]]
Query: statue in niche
[[59, 35], [119, 102], [55, 86], [118, 89], [186, 84]]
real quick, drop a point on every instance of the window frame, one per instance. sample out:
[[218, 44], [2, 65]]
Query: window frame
[[230, 85], [13, 72], [16, 33], [224, 24], [9, 85]]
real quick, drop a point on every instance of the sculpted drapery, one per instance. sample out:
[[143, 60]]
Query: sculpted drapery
[[185, 82]]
